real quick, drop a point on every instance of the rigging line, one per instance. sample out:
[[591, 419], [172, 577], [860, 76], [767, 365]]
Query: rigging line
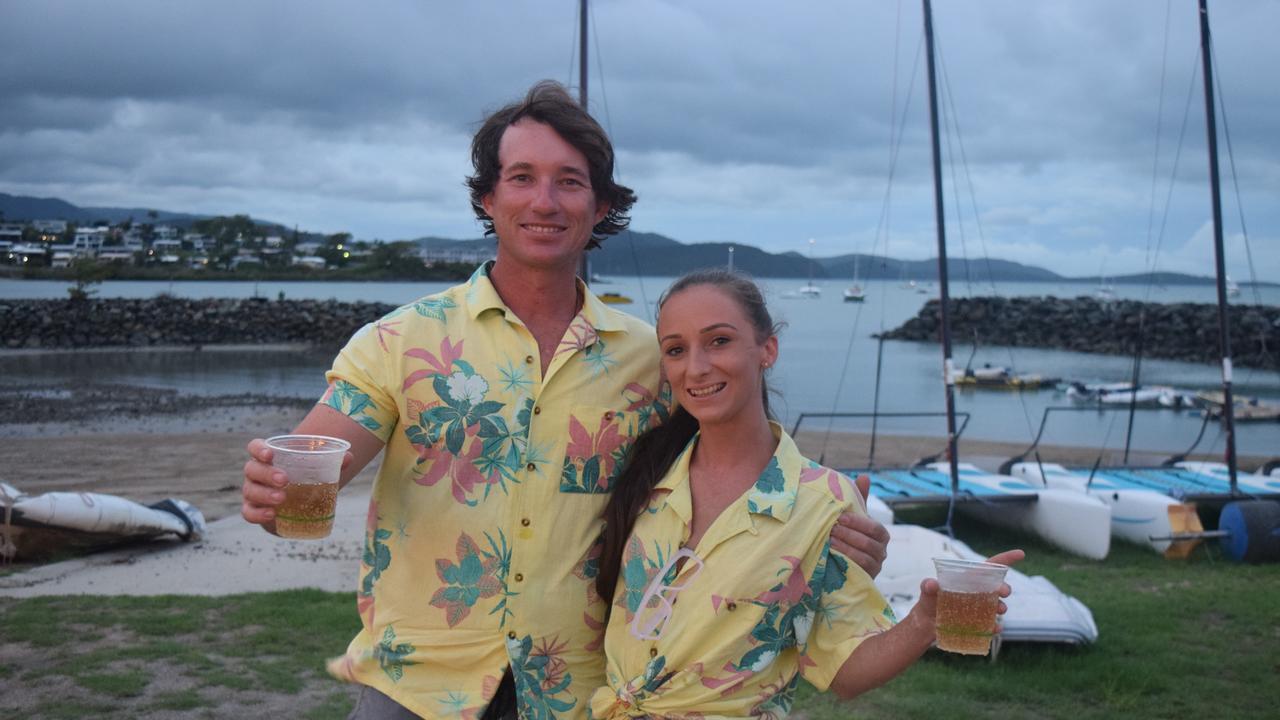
[[882, 223], [950, 127], [853, 333], [1177, 154], [1151, 260], [573, 45], [1235, 184], [895, 145], [608, 124], [982, 236], [1235, 181], [1155, 161], [835, 397], [882, 227]]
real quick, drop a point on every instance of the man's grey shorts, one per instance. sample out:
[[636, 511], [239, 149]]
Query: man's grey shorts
[[373, 705]]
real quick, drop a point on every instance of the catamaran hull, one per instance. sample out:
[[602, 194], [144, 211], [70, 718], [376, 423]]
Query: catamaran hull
[[1072, 521], [1142, 517]]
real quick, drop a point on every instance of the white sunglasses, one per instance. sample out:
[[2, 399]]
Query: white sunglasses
[[651, 622]]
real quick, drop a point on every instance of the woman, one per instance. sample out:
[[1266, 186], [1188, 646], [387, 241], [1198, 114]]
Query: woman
[[716, 555]]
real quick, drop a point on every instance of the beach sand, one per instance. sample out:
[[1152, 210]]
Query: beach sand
[[149, 445]]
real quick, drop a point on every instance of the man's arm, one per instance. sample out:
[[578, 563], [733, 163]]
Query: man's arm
[[860, 538], [263, 488]]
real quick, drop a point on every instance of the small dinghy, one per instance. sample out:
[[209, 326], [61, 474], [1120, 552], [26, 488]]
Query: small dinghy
[[1038, 611], [34, 527]]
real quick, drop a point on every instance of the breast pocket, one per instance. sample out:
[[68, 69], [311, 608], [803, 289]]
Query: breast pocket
[[599, 440]]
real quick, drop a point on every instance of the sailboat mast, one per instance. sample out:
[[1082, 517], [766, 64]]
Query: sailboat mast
[[585, 268], [940, 219], [582, 53], [1224, 334]]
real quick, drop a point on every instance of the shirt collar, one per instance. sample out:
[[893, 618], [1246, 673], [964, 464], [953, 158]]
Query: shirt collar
[[483, 296], [773, 494]]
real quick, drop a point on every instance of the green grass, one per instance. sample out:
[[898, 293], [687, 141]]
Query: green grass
[[210, 648], [1195, 638]]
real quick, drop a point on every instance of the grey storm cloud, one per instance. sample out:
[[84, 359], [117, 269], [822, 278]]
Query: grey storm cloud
[[755, 121]]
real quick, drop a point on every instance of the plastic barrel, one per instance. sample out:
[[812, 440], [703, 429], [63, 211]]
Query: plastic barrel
[[1254, 527]]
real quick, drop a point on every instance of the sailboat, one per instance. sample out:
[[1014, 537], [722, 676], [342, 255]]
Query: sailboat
[[854, 293], [809, 290], [1075, 522], [1154, 506]]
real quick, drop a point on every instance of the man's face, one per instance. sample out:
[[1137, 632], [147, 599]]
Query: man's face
[[542, 205]]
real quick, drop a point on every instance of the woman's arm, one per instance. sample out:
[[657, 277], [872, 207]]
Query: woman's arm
[[882, 657]]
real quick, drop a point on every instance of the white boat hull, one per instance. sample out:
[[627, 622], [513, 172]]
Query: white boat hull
[[1075, 522], [1038, 611], [102, 516], [1137, 516], [879, 511]]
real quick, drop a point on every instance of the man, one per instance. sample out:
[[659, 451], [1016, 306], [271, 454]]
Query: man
[[506, 406]]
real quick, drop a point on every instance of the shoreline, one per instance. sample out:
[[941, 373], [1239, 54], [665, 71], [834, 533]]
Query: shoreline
[[147, 444], [225, 347]]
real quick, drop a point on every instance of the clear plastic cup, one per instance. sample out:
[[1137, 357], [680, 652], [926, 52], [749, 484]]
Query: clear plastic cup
[[312, 464], [968, 598]]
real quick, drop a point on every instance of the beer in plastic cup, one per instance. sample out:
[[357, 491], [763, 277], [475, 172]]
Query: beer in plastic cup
[[967, 602], [312, 464]]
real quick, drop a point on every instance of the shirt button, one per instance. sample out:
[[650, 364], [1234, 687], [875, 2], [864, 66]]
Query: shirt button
[[537, 409], [528, 359], [512, 634], [519, 577], [530, 467], [524, 522], [732, 606], [653, 652]]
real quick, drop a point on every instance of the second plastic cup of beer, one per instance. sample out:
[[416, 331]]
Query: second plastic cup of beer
[[967, 602], [313, 464]]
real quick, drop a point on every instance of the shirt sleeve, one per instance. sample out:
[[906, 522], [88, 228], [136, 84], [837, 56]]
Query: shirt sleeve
[[847, 610], [360, 384]]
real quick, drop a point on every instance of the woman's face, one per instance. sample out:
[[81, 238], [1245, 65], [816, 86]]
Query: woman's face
[[711, 355]]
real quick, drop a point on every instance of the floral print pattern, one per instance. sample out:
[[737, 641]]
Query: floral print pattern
[[469, 536], [770, 603]]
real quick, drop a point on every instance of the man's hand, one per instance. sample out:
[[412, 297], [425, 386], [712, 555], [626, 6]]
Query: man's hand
[[263, 488], [860, 538]]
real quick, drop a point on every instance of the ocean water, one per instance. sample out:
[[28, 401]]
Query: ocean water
[[828, 360]]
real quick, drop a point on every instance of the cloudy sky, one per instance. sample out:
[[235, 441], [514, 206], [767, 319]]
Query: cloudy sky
[[743, 121]]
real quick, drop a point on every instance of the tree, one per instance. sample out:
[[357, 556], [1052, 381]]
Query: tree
[[87, 273], [335, 250]]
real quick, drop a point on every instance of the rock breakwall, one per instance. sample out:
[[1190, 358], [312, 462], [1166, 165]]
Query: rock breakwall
[[1177, 331], [56, 324]]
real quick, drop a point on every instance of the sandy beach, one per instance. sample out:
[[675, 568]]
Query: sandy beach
[[148, 445]]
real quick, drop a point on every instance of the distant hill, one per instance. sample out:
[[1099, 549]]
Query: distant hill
[[875, 267], [21, 207], [640, 253]]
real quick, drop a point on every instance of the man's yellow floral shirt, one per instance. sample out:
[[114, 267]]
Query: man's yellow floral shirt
[[481, 546]]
